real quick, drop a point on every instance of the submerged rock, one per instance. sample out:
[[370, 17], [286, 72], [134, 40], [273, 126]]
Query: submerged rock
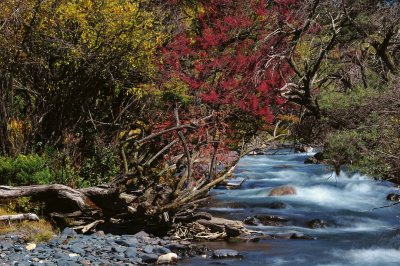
[[282, 191], [225, 253], [317, 223], [276, 205], [302, 236]]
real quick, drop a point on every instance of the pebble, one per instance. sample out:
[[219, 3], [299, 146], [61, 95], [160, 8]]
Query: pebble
[[71, 248]]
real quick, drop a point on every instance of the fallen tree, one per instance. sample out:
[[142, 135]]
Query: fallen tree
[[138, 199]]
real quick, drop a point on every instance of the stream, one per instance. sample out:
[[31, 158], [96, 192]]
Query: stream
[[359, 231]]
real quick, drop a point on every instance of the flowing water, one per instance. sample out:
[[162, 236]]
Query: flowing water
[[360, 231]]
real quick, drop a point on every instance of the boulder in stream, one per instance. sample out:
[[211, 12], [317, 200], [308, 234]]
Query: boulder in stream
[[272, 220], [269, 220], [317, 223], [318, 158], [282, 191], [303, 148], [393, 197]]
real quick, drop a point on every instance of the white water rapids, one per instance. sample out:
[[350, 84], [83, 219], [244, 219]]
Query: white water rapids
[[361, 230]]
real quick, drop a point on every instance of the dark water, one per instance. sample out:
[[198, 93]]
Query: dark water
[[360, 231]]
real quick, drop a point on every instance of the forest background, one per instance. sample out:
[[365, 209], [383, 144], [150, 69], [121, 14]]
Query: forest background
[[168, 95]]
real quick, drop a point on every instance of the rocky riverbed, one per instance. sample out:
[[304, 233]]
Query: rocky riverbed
[[71, 249]]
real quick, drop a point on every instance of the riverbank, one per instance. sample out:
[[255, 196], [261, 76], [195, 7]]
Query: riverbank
[[71, 249]]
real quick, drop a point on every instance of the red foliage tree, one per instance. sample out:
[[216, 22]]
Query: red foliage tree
[[220, 59]]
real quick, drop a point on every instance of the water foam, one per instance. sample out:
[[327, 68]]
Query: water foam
[[372, 256]]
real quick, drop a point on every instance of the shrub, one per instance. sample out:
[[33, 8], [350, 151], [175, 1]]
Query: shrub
[[24, 170], [100, 167]]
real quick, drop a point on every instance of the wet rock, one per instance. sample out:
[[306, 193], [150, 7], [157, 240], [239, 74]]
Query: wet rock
[[252, 221], [167, 258], [318, 158], [257, 152], [302, 236], [232, 231], [225, 253], [317, 223], [282, 191], [393, 197], [269, 220], [303, 148], [276, 205]]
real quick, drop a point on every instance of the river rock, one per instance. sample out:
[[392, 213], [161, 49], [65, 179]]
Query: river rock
[[272, 220], [148, 258], [225, 253], [318, 158], [131, 252], [317, 223], [282, 191], [303, 148], [302, 236], [130, 242], [167, 258], [251, 221], [393, 197], [68, 232], [30, 246]]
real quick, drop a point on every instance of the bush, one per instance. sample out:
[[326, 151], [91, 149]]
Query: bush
[[367, 138], [24, 170], [102, 166]]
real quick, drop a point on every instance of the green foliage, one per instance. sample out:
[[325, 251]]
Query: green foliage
[[24, 170], [100, 167], [176, 91], [332, 99], [24, 205], [371, 144], [56, 167]]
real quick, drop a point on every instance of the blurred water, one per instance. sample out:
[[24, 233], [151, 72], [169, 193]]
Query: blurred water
[[360, 231]]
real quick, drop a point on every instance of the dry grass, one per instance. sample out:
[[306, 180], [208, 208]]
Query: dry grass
[[30, 231]]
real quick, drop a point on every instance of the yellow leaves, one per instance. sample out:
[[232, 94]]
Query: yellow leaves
[[123, 28], [294, 119], [18, 129]]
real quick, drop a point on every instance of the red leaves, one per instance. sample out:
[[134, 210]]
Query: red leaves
[[222, 65]]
